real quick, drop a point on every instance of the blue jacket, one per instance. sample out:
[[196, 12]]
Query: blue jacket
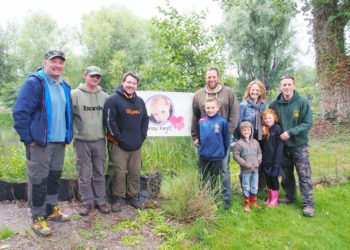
[[214, 137], [247, 113], [30, 114]]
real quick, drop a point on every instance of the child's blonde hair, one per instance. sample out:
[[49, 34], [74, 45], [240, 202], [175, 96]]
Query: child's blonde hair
[[265, 128]]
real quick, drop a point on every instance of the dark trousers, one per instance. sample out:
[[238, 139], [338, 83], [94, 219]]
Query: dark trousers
[[272, 182], [210, 171], [298, 157]]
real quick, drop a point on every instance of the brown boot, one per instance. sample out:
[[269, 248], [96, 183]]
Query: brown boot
[[135, 202], [117, 205], [103, 208], [253, 199], [246, 205], [85, 209]]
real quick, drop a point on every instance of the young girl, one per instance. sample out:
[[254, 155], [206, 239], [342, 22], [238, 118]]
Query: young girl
[[272, 152]]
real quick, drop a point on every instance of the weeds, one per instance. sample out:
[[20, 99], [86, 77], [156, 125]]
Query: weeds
[[5, 233]]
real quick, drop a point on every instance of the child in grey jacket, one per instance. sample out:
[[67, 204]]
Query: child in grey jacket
[[247, 154]]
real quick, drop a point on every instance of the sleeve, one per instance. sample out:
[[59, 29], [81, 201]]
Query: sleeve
[[28, 100], [237, 155], [259, 153], [196, 115], [144, 122], [233, 115], [279, 158], [226, 136], [110, 113], [241, 113]]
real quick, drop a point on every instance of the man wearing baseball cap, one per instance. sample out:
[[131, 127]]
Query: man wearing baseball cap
[[89, 141], [42, 118]]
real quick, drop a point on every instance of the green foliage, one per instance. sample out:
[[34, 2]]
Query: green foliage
[[184, 50], [116, 41], [259, 38], [167, 155], [12, 164], [5, 119], [5, 233]]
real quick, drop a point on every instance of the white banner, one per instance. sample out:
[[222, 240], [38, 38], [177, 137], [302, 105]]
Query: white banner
[[170, 113]]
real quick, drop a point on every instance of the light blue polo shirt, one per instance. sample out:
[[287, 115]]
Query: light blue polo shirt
[[58, 110]]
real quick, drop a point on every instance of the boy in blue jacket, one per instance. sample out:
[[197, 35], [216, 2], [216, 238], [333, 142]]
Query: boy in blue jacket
[[214, 140]]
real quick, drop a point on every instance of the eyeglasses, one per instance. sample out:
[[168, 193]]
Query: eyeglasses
[[95, 76]]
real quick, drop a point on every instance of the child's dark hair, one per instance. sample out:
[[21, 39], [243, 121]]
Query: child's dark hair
[[265, 128]]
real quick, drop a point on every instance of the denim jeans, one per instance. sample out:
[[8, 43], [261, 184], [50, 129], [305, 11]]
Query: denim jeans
[[226, 177], [250, 183]]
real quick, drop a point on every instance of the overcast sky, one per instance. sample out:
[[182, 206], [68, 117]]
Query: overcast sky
[[69, 13]]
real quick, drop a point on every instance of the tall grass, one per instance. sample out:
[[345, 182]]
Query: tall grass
[[185, 198], [6, 119]]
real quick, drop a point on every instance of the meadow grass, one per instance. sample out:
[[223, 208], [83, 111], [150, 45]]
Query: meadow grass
[[283, 227]]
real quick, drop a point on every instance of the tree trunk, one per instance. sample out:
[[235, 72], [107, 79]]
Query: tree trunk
[[332, 65]]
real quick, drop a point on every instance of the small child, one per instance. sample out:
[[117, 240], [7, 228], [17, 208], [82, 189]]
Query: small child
[[272, 151], [247, 154], [214, 140]]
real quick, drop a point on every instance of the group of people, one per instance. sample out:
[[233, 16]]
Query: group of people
[[267, 142], [48, 114]]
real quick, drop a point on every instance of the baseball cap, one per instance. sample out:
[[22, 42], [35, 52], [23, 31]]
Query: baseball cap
[[54, 53], [93, 70]]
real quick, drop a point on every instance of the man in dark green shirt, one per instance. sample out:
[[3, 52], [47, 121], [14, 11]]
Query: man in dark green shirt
[[295, 118]]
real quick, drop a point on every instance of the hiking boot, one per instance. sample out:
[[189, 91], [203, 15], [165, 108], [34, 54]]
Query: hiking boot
[[227, 204], [85, 209], [308, 211], [135, 202], [57, 215], [286, 200], [40, 227], [103, 208], [117, 205]]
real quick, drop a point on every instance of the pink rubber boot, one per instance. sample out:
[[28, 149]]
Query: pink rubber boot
[[274, 199], [267, 202]]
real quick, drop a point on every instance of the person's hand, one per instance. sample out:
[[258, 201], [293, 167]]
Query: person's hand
[[32, 144], [196, 143], [284, 136]]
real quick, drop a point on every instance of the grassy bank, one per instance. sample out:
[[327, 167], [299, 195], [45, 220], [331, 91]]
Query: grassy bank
[[280, 228]]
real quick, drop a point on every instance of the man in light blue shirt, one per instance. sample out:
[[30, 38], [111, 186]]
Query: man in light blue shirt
[[42, 118]]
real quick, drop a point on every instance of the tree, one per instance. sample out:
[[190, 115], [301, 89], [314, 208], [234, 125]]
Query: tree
[[184, 50], [116, 41], [330, 18], [258, 38]]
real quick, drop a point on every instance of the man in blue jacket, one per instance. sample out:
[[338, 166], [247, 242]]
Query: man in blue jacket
[[42, 118]]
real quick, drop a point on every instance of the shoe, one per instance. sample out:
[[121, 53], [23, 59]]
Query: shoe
[[85, 209], [253, 201], [227, 204], [268, 197], [246, 205], [286, 200], [135, 203], [57, 215], [40, 227], [117, 205], [103, 208], [274, 199], [308, 211]]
